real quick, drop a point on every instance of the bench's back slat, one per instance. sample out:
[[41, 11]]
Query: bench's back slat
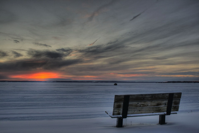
[[148, 97], [140, 110], [146, 103]]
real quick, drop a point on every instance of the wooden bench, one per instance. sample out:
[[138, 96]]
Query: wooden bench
[[135, 105]]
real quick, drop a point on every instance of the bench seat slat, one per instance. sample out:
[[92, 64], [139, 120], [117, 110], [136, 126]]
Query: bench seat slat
[[175, 99], [138, 115], [139, 110]]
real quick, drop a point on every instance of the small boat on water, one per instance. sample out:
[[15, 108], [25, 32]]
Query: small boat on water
[[115, 84]]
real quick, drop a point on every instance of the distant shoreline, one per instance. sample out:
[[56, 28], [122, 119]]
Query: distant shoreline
[[110, 81]]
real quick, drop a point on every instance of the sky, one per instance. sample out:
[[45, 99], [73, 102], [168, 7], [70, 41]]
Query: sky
[[127, 40]]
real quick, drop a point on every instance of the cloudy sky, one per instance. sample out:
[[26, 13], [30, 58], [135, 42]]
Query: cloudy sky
[[132, 40]]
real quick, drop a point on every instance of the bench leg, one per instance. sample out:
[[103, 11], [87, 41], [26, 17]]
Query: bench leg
[[162, 119], [119, 122]]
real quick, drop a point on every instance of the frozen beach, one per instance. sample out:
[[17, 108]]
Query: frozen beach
[[79, 107], [180, 123]]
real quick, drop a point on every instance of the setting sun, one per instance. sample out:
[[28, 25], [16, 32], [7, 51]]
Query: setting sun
[[41, 76]]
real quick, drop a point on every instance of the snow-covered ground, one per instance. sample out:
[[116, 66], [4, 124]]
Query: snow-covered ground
[[79, 107], [178, 123]]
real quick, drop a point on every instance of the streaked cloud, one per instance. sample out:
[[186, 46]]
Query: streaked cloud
[[41, 44], [92, 43], [16, 41], [3, 54], [100, 9], [160, 43], [45, 54], [16, 54], [25, 65]]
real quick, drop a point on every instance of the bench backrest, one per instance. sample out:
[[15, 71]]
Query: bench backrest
[[146, 103]]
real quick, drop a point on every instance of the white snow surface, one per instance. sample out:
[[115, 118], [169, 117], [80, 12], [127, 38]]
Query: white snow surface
[[50, 107]]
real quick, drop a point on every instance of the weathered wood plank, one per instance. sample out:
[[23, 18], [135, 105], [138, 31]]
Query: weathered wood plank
[[175, 108], [146, 103], [177, 95], [151, 109], [144, 110], [118, 105], [176, 102], [148, 97], [119, 98], [117, 111], [157, 103], [140, 110]]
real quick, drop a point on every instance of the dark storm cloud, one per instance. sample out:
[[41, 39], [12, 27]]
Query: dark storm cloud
[[22, 65], [37, 64], [16, 54], [65, 51], [99, 9], [45, 54], [3, 54], [41, 44], [16, 41], [52, 65]]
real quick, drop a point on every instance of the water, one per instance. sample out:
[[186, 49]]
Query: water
[[59, 100]]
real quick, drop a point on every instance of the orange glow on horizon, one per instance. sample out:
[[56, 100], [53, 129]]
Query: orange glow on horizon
[[179, 76], [128, 75], [41, 76], [86, 77]]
